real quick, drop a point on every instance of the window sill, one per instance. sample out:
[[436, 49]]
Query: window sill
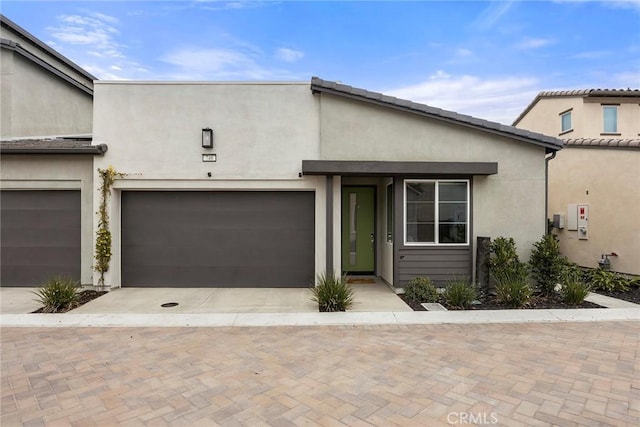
[[565, 132], [610, 134]]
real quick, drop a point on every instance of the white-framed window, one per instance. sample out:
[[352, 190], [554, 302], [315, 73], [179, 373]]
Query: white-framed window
[[610, 118], [565, 122], [436, 212]]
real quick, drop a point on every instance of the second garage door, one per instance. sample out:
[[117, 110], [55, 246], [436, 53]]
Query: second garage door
[[218, 239]]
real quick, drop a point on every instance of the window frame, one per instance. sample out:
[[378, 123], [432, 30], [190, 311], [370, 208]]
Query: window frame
[[389, 212], [613, 107], [566, 113], [436, 223]]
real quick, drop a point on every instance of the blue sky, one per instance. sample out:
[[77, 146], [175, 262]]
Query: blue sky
[[486, 59]]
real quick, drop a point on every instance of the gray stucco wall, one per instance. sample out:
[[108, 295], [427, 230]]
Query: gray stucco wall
[[36, 103], [510, 203]]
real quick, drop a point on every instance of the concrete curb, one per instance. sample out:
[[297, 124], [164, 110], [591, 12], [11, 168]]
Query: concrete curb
[[319, 319]]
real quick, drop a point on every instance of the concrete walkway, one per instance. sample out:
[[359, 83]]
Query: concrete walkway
[[376, 304]]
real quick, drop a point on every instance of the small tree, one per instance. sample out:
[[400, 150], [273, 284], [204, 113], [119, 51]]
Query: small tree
[[547, 263]]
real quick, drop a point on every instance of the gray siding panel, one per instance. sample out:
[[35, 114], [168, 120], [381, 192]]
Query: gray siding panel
[[40, 236], [218, 239], [440, 264]]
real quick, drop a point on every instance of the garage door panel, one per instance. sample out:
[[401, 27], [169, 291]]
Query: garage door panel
[[218, 239], [41, 236]]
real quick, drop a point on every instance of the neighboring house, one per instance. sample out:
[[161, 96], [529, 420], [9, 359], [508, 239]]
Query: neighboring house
[[46, 162], [594, 183], [43, 93], [269, 184]]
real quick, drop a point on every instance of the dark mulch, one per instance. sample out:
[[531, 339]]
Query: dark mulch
[[489, 303], [84, 297], [632, 295]]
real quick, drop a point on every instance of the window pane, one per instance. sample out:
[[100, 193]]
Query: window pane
[[566, 122], [420, 212], [610, 119], [421, 191], [452, 233], [452, 212], [422, 233], [452, 191]]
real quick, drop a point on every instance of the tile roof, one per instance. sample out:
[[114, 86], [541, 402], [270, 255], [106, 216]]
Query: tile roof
[[550, 143], [603, 143], [583, 93], [51, 146]]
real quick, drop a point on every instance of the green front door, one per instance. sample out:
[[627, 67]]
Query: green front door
[[358, 229]]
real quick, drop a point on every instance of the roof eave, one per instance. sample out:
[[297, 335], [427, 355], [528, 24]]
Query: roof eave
[[99, 150]]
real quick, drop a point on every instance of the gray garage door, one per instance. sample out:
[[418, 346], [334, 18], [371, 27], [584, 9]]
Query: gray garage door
[[39, 235], [217, 239]]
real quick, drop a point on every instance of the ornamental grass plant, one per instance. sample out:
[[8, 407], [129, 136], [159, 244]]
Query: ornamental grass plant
[[58, 295], [332, 293]]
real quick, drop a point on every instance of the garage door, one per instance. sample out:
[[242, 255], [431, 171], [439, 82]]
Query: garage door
[[39, 235], [217, 239]]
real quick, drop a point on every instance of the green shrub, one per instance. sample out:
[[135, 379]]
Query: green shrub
[[58, 295], [421, 289], [607, 281], [503, 259], [573, 288], [460, 294], [547, 263], [333, 293], [512, 286]]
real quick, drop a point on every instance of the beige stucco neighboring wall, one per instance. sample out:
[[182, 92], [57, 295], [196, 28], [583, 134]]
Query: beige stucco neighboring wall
[[57, 172], [36, 103], [510, 203], [545, 117], [613, 196], [628, 117], [586, 115]]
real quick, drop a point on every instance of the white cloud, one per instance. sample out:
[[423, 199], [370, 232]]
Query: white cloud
[[289, 55], [463, 52], [500, 98], [534, 43], [492, 14], [95, 30], [92, 40], [195, 63]]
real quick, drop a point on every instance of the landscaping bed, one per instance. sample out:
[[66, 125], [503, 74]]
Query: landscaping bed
[[632, 295], [490, 303], [83, 298]]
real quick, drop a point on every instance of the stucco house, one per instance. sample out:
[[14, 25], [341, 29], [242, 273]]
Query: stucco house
[[594, 183], [46, 162], [268, 184]]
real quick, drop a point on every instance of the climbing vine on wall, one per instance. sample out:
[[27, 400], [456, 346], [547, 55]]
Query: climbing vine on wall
[[103, 235]]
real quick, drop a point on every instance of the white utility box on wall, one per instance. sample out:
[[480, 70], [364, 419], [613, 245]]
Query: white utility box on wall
[[583, 222]]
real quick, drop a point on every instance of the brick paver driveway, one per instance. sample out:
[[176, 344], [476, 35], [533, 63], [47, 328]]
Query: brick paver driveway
[[494, 374]]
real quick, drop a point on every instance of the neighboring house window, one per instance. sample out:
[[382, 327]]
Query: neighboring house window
[[437, 212], [390, 213], [565, 121], [610, 115]]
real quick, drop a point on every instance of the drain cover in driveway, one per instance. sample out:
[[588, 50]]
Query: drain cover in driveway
[[169, 304]]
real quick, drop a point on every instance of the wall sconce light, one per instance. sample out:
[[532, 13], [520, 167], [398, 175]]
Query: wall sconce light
[[207, 138]]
